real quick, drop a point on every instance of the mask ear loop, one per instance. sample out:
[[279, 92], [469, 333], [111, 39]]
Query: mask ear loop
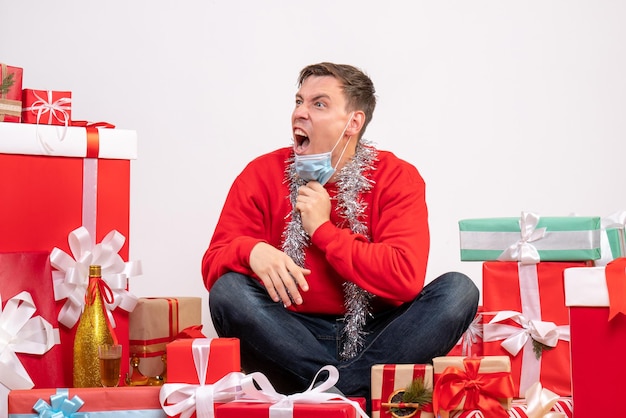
[[339, 140]]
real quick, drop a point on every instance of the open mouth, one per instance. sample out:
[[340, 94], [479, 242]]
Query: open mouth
[[301, 140]]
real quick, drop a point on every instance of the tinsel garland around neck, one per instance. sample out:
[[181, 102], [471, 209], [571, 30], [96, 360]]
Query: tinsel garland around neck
[[351, 184]]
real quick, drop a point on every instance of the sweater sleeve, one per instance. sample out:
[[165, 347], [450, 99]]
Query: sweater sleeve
[[392, 262], [239, 229]]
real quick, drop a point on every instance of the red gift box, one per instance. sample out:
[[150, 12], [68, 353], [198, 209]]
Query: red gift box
[[598, 340], [223, 358], [471, 342], [46, 107], [301, 410], [387, 379], [530, 299], [52, 195], [107, 402], [10, 93]]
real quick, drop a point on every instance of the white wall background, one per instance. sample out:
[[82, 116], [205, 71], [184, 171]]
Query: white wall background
[[502, 105]]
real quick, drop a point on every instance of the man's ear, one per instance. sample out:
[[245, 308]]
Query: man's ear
[[356, 123]]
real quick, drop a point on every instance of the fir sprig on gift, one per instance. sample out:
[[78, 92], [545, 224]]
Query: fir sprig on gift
[[539, 348], [7, 83], [414, 397]]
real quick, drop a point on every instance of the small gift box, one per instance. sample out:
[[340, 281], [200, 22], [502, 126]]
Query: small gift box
[[222, 354], [112, 402], [530, 239], [10, 93], [471, 342], [391, 381], [468, 383], [262, 401], [46, 107], [154, 323], [528, 321], [596, 297]]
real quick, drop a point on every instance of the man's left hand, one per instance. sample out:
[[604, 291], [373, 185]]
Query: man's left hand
[[313, 203]]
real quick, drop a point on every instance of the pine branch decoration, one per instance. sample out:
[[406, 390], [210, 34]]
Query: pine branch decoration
[[539, 348], [7, 83], [405, 403]]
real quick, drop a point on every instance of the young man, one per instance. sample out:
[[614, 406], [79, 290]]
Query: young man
[[319, 255]]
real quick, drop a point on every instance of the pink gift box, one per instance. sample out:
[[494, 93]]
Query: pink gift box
[[261, 410]]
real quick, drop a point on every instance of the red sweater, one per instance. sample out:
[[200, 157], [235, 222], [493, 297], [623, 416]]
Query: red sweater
[[392, 266]]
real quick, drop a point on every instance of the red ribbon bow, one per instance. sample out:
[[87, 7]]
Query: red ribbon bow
[[480, 390], [615, 273]]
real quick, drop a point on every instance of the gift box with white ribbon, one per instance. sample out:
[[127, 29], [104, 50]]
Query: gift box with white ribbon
[[57, 184], [530, 238], [526, 319]]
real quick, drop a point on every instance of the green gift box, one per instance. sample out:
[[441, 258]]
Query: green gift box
[[530, 238]]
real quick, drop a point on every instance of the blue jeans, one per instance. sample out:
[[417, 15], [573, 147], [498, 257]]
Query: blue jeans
[[290, 348]]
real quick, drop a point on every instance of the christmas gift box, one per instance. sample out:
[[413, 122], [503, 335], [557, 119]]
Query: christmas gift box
[[155, 322], [29, 336], [111, 402], [46, 107], [471, 342], [393, 384], [10, 93], [613, 238], [530, 239], [55, 188], [469, 383], [531, 324], [260, 400], [222, 354], [596, 300]]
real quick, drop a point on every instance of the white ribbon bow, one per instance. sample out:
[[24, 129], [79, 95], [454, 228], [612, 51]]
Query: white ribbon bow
[[71, 278], [539, 402], [283, 404], [547, 333], [57, 110], [522, 250], [21, 332], [185, 399], [471, 336]]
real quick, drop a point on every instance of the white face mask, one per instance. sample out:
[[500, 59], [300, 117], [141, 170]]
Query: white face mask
[[318, 167]]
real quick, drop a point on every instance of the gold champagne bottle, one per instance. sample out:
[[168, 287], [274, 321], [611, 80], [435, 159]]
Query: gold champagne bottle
[[92, 331]]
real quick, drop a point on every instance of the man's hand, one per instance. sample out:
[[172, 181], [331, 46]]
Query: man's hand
[[279, 274], [313, 202]]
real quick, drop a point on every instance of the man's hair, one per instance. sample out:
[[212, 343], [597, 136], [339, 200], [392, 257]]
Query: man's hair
[[357, 86]]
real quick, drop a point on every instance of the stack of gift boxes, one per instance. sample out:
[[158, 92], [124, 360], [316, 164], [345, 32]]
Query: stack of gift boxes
[[68, 183]]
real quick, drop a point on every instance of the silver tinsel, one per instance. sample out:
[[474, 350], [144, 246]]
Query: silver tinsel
[[352, 183]]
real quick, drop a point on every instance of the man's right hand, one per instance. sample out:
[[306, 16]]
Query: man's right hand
[[280, 275]]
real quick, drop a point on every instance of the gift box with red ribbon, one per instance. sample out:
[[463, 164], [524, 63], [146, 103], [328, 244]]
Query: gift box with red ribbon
[[56, 186], [596, 297], [29, 334], [10, 93], [391, 381], [469, 383], [471, 342], [113, 402], [157, 321], [530, 322], [46, 107]]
